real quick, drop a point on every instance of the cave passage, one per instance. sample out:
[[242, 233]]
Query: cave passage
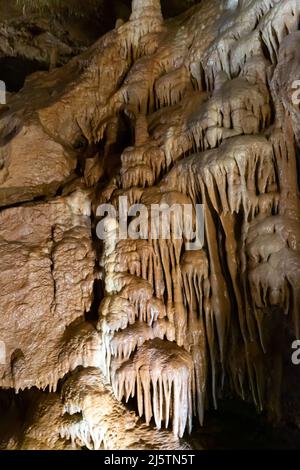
[[14, 70]]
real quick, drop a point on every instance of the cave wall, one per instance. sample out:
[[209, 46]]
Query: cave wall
[[199, 109]]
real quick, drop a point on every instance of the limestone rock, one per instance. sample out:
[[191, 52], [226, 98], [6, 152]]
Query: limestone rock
[[47, 275], [196, 110]]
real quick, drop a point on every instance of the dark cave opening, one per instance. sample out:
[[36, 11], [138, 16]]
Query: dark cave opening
[[15, 70]]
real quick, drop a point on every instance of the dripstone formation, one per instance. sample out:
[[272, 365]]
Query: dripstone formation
[[198, 109]]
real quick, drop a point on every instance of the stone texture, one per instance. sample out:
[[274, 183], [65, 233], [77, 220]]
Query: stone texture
[[47, 275], [198, 109]]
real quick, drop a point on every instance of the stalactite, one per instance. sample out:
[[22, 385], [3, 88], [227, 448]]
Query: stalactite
[[169, 371], [195, 110], [281, 20], [125, 342], [171, 87], [274, 268], [237, 176], [93, 418]]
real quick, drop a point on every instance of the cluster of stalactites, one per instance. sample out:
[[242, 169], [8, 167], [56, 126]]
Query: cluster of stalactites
[[160, 374], [273, 249], [92, 417], [200, 137], [239, 175]]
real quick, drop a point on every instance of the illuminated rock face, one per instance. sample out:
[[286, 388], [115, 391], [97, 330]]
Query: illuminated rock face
[[47, 278], [215, 121]]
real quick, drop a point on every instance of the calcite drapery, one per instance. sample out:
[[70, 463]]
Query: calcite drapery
[[217, 298], [211, 110]]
